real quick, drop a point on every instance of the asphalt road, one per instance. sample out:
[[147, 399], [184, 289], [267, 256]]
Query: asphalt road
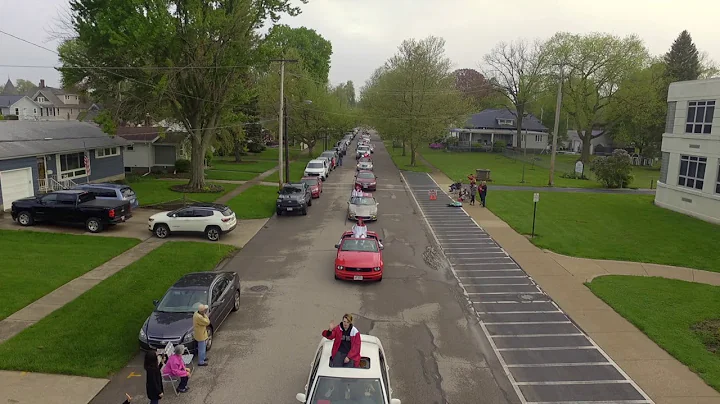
[[437, 351]]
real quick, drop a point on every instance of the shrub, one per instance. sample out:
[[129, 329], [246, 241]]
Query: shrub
[[499, 146], [256, 147], [182, 165], [209, 158], [614, 171]]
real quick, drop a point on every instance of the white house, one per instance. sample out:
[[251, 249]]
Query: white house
[[46, 104], [152, 148], [690, 174], [574, 142]]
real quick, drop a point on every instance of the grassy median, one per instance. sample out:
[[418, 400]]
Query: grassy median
[[31, 268], [96, 334], [681, 317], [610, 226]]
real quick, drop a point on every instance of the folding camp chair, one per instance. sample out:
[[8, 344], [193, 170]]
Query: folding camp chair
[[187, 360]]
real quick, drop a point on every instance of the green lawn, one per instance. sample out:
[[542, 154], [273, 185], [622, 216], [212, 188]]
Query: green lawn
[[403, 162], [256, 202], [151, 191], [272, 154], [611, 226], [297, 168], [257, 166], [229, 175], [96, 334], [33, 269], [508, 171], [668, 311]]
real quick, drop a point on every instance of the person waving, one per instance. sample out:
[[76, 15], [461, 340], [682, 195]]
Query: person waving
[[346, 343]]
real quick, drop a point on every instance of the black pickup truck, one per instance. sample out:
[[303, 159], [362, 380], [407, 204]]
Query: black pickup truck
[[294, 198], [72, 207]]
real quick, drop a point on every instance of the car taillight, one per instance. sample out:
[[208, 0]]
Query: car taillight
[[226, 219], [111, 213]]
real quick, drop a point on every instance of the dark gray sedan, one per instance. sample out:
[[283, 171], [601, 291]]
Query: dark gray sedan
[[171, 321]]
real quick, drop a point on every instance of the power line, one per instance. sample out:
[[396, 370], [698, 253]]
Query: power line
[[131, 67]]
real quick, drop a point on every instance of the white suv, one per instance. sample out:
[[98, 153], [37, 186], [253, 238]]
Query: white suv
[[209, 218], [317, 168]]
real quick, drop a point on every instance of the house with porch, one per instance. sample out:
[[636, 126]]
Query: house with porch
[[153, 148], [493, 125], [38, 157]]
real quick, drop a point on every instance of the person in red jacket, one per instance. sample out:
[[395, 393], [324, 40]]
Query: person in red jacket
[[346, 343]]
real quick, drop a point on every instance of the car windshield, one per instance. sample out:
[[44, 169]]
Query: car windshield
[[290, 190], [364, 245], [368, 176], [328, 154], [315, 165], [347, 391], [310, 181], [361, 200], [365, 160], [182, 300]]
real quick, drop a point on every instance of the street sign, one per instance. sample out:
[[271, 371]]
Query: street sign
[[536, 197]]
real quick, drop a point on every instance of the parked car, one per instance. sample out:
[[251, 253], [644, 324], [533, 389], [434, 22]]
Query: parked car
[[118, 192], [359, 259], [211, 219], [328, 162], [171, 320], [332, 156], [317, 168], [362, 207], [361, 151], [364, 164], [371, 381], [294, 198], [71, 207], [315, 185], [367, 180]]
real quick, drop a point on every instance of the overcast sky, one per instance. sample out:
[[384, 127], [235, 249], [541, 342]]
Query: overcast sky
[[364, 33]]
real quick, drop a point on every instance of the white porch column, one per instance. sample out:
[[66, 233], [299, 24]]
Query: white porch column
[[492, 139]]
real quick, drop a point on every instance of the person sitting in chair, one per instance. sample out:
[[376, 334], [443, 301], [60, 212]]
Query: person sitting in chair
[[175, 367], [360, 229]]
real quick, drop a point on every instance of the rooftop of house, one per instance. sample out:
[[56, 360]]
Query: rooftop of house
[[8, 100], [150, 134], [31, 138], [9, 88], [500, 119]]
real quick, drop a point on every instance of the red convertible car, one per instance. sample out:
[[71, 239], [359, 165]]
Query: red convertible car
[[359, 259], [315, 185]]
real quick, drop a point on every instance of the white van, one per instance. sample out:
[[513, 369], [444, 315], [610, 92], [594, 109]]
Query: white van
[[317, 168]]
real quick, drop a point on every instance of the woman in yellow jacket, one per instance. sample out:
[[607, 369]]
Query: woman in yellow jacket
[[200, 332]]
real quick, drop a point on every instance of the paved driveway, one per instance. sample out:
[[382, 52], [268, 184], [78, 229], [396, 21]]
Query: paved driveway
[[136, 227], [262, 354]]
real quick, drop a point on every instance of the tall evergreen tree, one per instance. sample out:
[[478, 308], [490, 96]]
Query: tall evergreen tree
[[683, 62]]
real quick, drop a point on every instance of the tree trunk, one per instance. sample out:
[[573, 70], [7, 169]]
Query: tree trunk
[[413, 147], [197, 163], [403, 147], [519, 110], [586, 142]]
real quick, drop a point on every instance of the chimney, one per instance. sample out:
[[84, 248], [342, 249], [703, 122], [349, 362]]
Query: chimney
[[42, 83]]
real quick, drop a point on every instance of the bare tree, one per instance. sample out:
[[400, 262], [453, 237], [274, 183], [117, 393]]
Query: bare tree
[[516, 71]]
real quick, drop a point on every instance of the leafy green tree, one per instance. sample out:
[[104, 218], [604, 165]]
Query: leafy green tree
[[516, 71], [639, 109], [189, 58], [25, 87], [595, 65], [314, 51], [415, 95], [682, 60]]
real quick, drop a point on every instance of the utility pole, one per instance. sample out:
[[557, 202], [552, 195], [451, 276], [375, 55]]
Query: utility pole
[[558, 106], [280, 119], [287, 149]]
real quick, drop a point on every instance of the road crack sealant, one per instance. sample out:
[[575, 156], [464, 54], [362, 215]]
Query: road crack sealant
[[430, 368]]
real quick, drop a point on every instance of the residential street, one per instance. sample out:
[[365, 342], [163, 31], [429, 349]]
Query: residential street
[[262, 354]]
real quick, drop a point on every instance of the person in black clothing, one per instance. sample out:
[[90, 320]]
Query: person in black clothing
[[153, 383], [483, 192]]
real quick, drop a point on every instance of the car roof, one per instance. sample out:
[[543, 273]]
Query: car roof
[[104, 185], [316, 161], [369, 348], [71, 191], [310, 177], [196, 279], [207, 205]]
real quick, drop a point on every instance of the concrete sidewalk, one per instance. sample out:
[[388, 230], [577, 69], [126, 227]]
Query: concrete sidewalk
[[662, 377]]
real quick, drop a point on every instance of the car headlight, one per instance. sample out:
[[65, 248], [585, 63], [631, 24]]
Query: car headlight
[[373, 183], [340, 267], [376, 269], [143, 337], [279, 200], [189, 337]]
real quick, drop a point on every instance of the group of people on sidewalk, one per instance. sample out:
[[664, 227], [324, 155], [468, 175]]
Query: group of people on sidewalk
[[157, 364], [475, 190]]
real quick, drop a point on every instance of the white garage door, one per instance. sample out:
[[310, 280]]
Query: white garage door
[[16, 184]]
